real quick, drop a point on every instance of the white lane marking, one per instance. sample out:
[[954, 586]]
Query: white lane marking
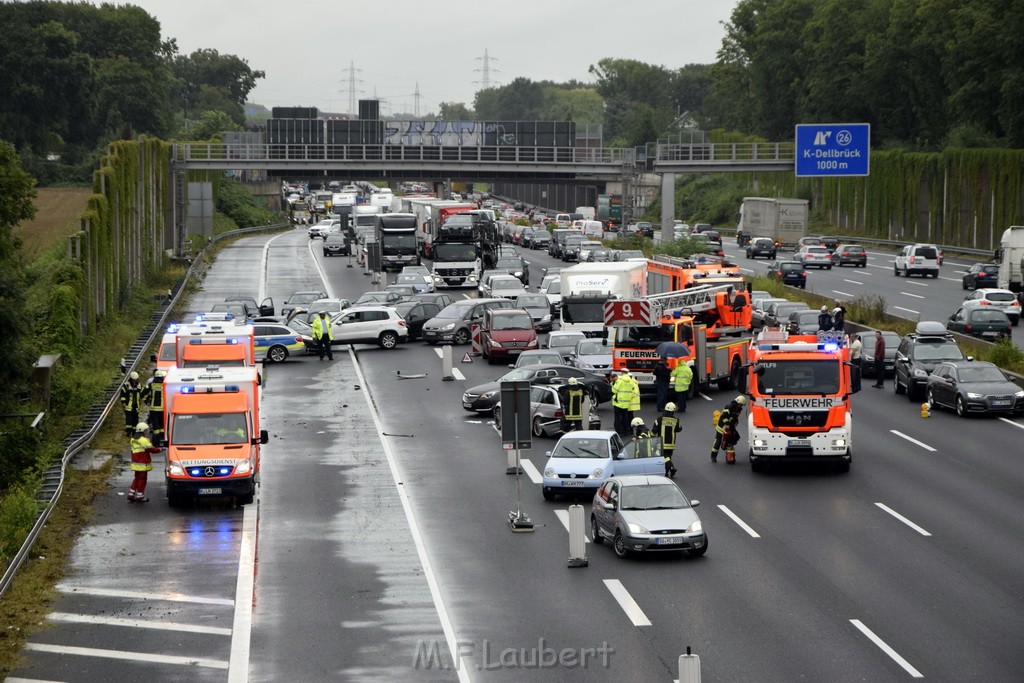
[[262, 292], [743, 525], [951, 279], [903, 519], [439, 352], [138, 595], [466, 295], [918, 284], [462, 664], [913, 440], [9, 679], [627, 603], [530, 470], [137, 623], [908, 310], [959, 272], [125, 654], [563, 517], [853, 282], [916, 296], [1008, 421], [705, 396], [872, 265], [836, 291], [457, 374], [238, 670], [886, 649], [320, 269]]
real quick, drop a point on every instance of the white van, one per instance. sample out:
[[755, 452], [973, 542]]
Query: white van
[[593, 229], [563, 220]]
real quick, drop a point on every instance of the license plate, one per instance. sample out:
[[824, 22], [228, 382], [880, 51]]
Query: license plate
[[989, 334], [643, 378], [799, 442], [668, 541], [210, 492], [466, 404], [572, 483], [1001, 403]]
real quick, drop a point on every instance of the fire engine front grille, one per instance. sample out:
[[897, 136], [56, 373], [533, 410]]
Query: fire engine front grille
[[798, 418]]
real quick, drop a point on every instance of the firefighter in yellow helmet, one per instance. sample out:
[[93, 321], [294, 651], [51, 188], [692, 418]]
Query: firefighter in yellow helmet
[[142, 463], [727, 430], [571, 396], [131, 401], [667, 426]]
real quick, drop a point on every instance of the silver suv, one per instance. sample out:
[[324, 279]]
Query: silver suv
[[370, 325]]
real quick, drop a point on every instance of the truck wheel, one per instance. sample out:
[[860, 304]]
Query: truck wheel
[[461, 337], [277, 354], [388, 340], [732, 380]]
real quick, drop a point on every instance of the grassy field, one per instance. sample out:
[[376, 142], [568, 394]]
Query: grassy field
[[57, 212]]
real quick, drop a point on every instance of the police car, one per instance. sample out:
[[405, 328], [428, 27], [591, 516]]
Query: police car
[[274, 343]]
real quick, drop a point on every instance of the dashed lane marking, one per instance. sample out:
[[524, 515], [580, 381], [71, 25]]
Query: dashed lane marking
[[913, 440], [951, 279], [563, 517], [908, 310], [903, 519], [530, 470], [886, 649], [917, 284], [853, 282], [705, 396], [743, 525], [627, 603], [137, 623], [916, 296], [127, 655], [457, 374], [139, 595], [836, 291]]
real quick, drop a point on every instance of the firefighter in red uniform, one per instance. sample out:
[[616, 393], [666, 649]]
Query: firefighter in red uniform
[[142, 462]]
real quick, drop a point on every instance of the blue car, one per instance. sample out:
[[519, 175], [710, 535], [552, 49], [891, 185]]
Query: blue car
[[583, 460]]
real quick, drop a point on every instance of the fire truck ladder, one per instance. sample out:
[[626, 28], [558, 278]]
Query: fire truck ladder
[[693, 300]]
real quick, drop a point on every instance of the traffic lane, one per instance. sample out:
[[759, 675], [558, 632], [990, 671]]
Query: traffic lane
[[341, 593], [236, 272], [507, 590], [290, 267]]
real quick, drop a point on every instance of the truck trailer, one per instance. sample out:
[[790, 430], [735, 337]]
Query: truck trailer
[[784, 221], [587, 286]]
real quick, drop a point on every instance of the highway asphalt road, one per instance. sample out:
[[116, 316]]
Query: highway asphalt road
[[381, 544]]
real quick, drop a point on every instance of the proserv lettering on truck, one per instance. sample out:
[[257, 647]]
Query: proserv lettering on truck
[[799, 387], [213, 433]]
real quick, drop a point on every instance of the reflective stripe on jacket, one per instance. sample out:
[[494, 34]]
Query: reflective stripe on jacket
[[574, 409], [142, 447], [667, 427]]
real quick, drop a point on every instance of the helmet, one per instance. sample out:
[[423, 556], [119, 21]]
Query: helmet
[[624, 371], [824, 309], [637, 422], [141, 427], [690, 363], [572, 380], [133, 375], [836, 309], [742, 400], [670, 407], [160, 373]]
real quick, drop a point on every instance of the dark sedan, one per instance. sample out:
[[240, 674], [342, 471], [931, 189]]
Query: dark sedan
[[974, 387], [850, 253], [803, 322], [789, 273], [761, 246], [867, 355], [415, 314], [483, 397], [335, 244], [981, 275]]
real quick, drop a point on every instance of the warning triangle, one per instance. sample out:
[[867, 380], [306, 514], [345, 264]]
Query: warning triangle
[[467, 358]]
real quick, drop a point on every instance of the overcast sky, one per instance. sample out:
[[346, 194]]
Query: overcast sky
[[306, 47]]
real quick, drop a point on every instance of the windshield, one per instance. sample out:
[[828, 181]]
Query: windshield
[[516, 375], [592, 348], [581, 448], [409, 279], [981, 374], [509, 263], [791, 266], [555, 287], [456, 311], [399, 244], [557, 341], [200, 430], [533, 301], [202, 363], [512, 322], [790, 377], [454, 252], [366, 220], [506, 283], [930, 352], [652, 497], [1000, 296], [538, 359], [983, 316], [304, 298], [589, 311], [630, 254], [168, 351], [372, 297]]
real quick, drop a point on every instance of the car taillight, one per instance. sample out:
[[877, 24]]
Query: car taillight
[[298, 340], [968, 327], [803, 274], [401, 322], [984, 302], [981, 275], [559, 413]]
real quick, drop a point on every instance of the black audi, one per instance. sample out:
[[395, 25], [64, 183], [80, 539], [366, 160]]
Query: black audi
[[974, 387]]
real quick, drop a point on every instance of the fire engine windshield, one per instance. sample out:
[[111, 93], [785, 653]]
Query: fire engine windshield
[[207, 429], [649, 337], [786, 378], [454, 252], [589, 311]]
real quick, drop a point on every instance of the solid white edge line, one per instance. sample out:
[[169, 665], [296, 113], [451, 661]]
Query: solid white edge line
[[886, 649], [320, 269], [563, 517], [743, 525], [1008, 421], [916, 296], [241, 629], [262, 291], [903, 519], [626, 602], [11, 679], [704, 396], [457, 374], [530, 470], [908, 310], [136, 623], [127, 655], [139, 595], [461, 665], [913, 440]]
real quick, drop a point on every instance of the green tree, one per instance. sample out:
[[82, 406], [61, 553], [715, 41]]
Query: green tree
[[209, 126], [454, 111], [580, 104], [227, 79]]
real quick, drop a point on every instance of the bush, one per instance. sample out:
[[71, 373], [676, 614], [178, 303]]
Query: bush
[[20, 448], [235, 201], [1007, 355], [17, 515]]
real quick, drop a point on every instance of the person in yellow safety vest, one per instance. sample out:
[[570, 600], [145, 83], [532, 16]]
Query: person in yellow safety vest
[[571, 396], [142, 463], [667, 426], [153, 397], [323, 334], [131, 401], [726, 430], [682, 378], [625, 395]]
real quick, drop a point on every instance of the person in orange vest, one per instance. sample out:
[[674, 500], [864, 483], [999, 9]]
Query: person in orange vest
[[142, 462]]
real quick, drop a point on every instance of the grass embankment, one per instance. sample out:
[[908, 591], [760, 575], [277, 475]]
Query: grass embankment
[[57, 213]]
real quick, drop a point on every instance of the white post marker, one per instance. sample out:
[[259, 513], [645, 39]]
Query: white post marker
[[446, 364], [512, 462], [577, 537], [689, 667]]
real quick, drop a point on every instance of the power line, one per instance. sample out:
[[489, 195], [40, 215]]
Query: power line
[[351, 89]]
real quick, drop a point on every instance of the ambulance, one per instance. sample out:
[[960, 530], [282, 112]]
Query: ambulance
[[213, 431], [799, 388]]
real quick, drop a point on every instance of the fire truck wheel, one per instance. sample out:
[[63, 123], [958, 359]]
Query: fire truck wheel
[[755, 465], [842, 466]]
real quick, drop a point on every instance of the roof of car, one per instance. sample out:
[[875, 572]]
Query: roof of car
[[588, 433], [641, 479]]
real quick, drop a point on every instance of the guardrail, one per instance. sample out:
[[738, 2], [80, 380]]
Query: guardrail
[[53, 479]]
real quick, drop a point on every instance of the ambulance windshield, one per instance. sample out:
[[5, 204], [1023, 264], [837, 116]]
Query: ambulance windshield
[[799, 377], [208, 429]]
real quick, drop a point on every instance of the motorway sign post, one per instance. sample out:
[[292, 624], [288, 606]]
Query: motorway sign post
[[832, 149], [516, 435]]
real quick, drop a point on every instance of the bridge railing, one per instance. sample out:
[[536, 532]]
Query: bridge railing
[[725, 152], [202, 151]]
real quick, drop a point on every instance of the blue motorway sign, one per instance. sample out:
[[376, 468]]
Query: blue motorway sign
[[832, 149]]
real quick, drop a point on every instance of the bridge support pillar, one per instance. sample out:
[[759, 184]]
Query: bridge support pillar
[[439, 189], [668, 206]]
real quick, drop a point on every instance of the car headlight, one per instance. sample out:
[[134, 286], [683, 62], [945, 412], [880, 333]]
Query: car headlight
[[488, 394], [494, 344], [518, 273], [637, 529], [971, 394], [918, 372], [446, 328], [695, 527], [471, 278], [839, 442], [550, 473], [437, 278], [598, 473], [546, 318], [759, 443], [243, 467], [584, 366], [1019, 394], [531, 344], [175, 470]]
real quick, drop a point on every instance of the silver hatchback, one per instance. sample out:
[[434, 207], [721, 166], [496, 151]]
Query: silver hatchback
[[646, 513]]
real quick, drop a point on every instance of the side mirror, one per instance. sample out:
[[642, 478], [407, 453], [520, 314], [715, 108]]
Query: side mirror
[[264, 436], [694, 503], [511, 365], [620, 456], [608, 506], [547, 454]]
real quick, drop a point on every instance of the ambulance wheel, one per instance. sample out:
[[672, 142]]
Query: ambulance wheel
[[174, 500], [247, 498], [461, 337]]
